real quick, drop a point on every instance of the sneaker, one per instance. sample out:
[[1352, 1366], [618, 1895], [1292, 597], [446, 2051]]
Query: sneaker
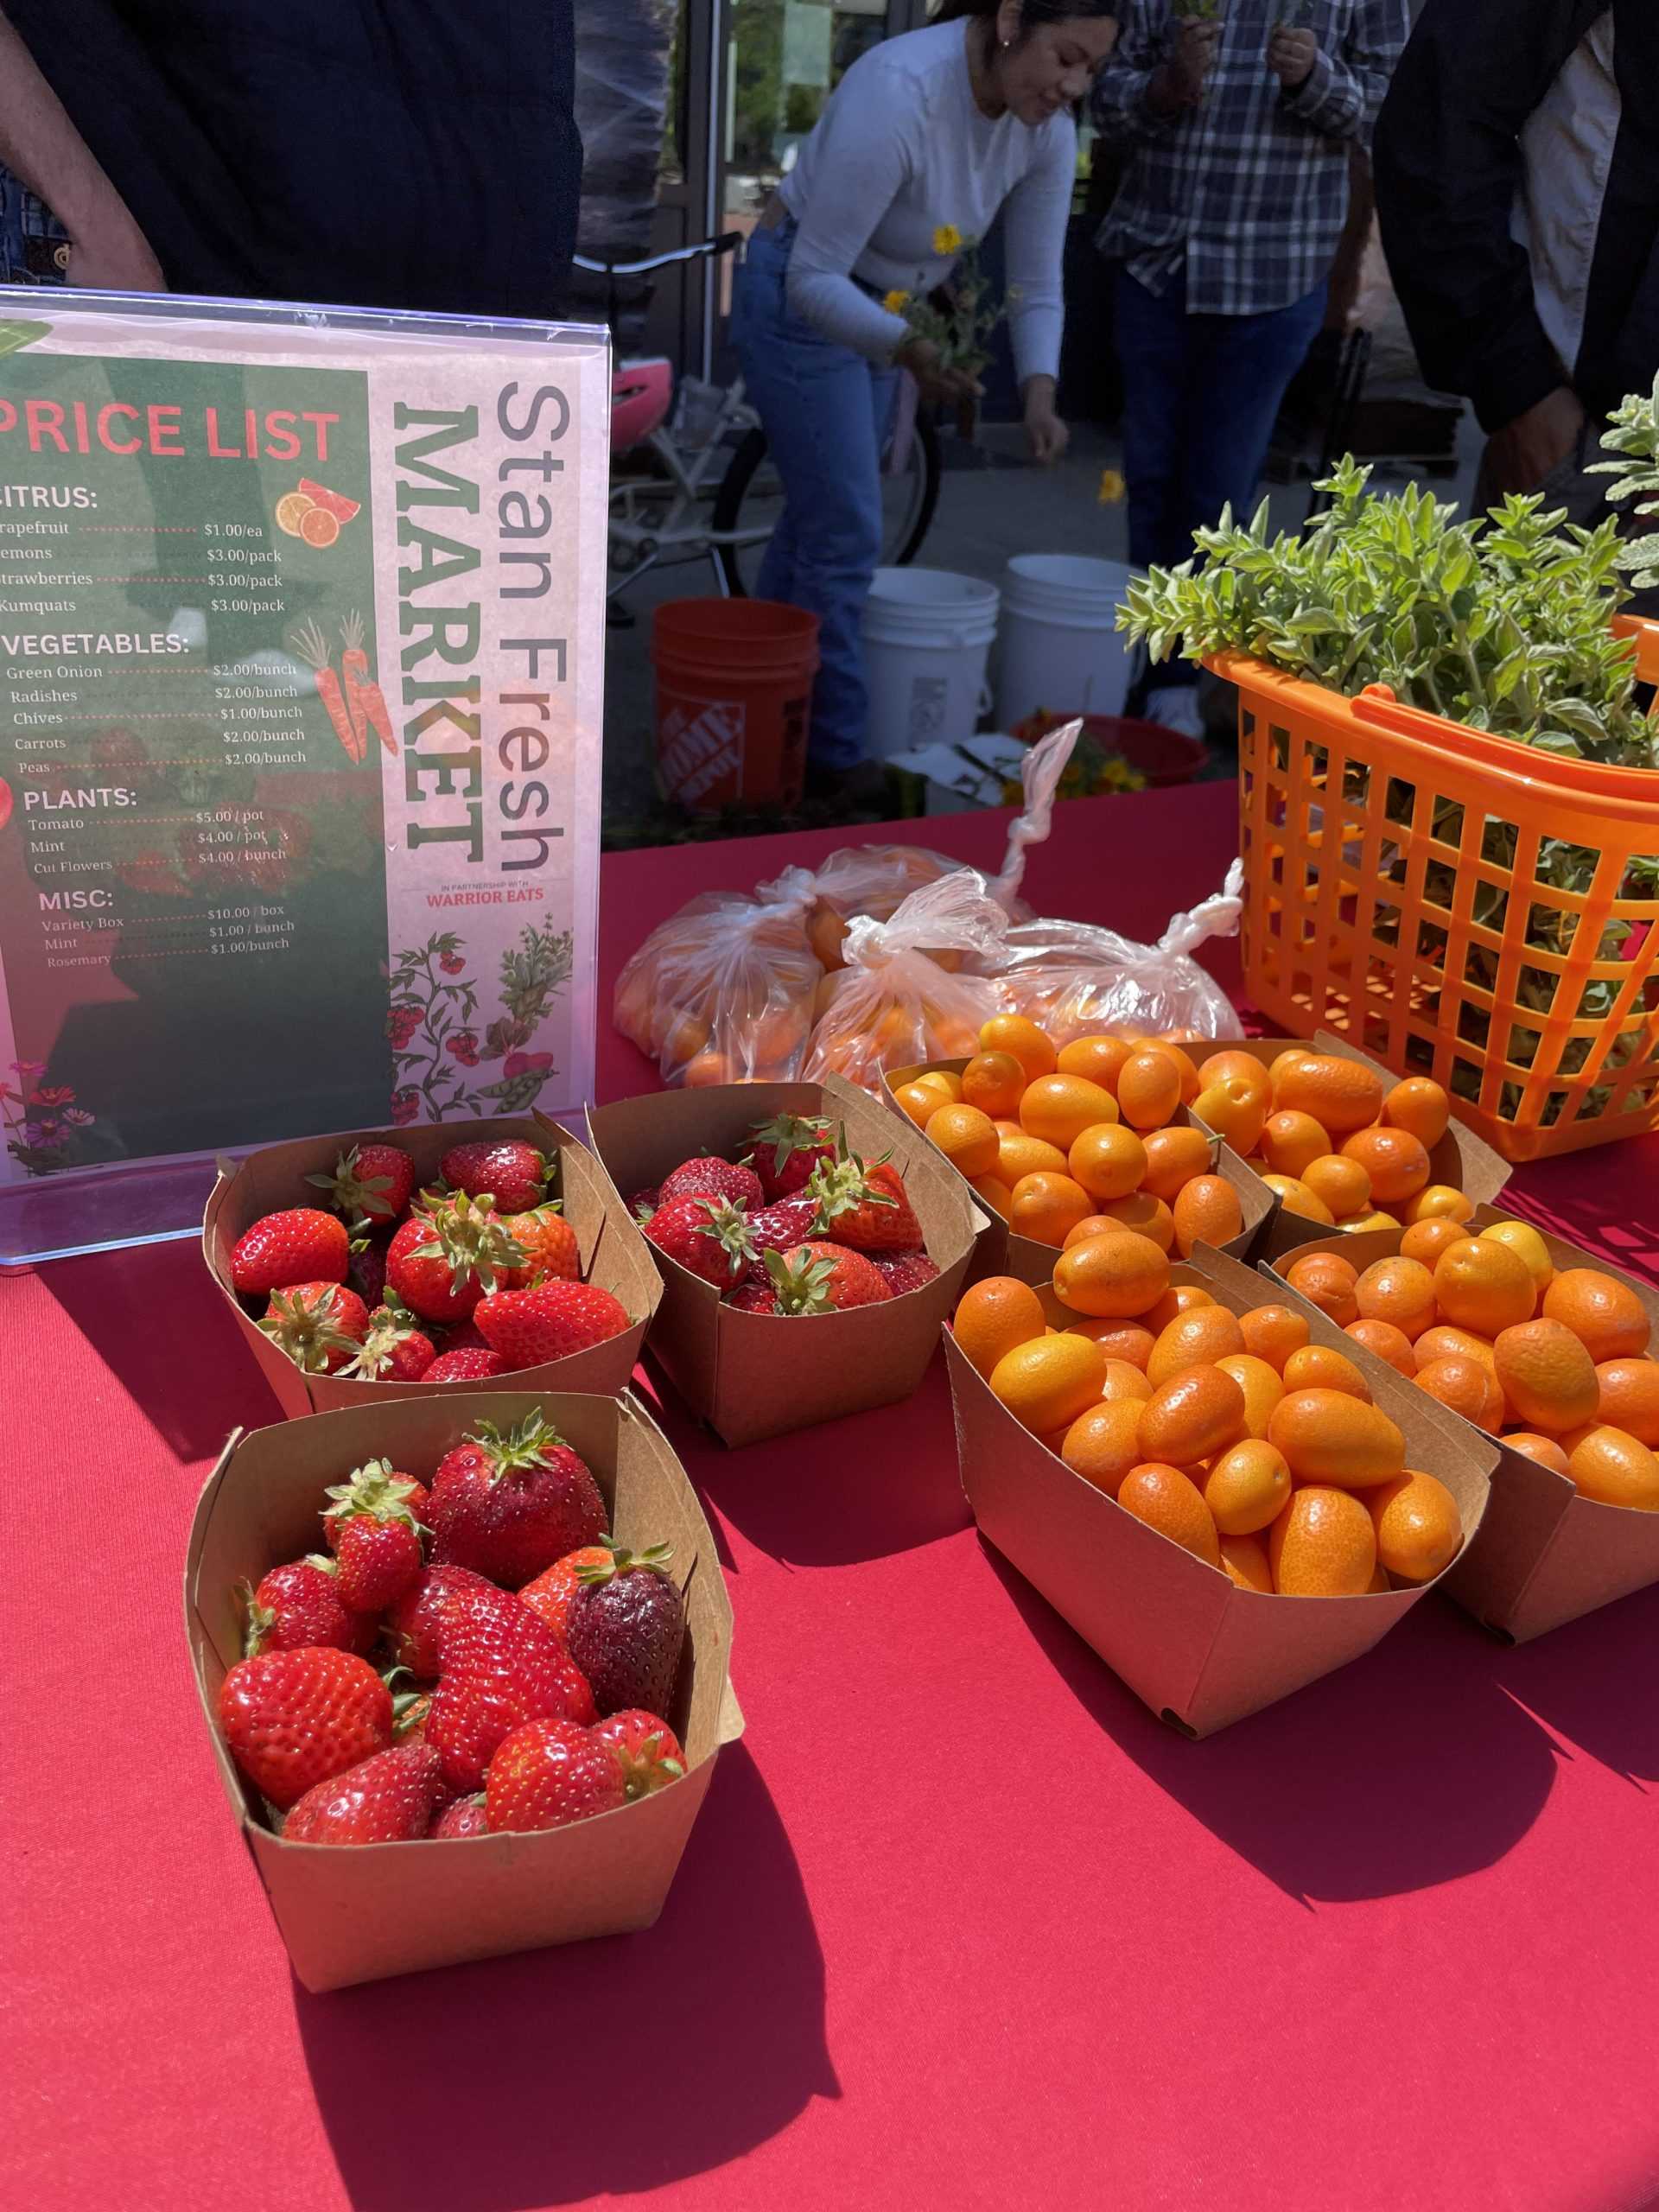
[[1175, 706]]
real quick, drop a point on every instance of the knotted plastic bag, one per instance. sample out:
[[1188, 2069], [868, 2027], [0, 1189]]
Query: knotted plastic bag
[[1076, 979]]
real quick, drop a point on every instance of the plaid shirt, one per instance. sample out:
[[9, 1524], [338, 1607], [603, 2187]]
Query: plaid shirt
[[1249, 189]]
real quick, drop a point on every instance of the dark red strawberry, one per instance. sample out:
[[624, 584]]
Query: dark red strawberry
[[553, 1593], [462, 1336], [709, 1178], [866, 1208], [446, 1257], [464, 1817], [822, 1278], [551, 1253], [372, 1533], [626, 1627], [500, 1669], [293, 1718], [509, 1506], [778, 1228], [647, 1750], [643, 1204], [753, 1298], [300, 1244], [687, 1230], [553, 1321], [301, 1603], [785, 1152], [471, 1363], [372, 1183], [548, 1773], [394, 1350], [509, 1171], [905, 1271], [416, 1625], [320, 1326], [389, 1798], [367, 1272]]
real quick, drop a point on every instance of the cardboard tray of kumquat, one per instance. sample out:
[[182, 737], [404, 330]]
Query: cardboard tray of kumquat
[[359, 1914], [752, 1375], [1194, 1645], [1392, 1168], [1004, 1250], [613, 1254], [1545, 1553]]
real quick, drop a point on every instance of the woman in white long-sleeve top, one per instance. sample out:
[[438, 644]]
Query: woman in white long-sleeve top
[[929, 133]]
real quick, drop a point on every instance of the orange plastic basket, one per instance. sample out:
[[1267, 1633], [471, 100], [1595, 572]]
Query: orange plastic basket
[[1392, 894]]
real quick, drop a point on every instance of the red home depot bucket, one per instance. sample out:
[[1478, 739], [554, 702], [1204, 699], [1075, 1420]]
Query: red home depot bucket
[[733, 701]]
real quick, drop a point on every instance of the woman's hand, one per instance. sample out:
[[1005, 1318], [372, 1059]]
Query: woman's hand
[[1045, 433], [937, 384]]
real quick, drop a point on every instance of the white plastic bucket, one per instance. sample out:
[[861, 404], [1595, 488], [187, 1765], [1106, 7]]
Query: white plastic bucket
[[1060, 649], [927, 636]]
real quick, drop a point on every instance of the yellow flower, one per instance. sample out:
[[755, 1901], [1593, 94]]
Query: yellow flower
[[947, 240], [896, 302], [1112, 487]]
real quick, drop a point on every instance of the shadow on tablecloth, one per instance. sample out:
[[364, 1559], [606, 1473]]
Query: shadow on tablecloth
[[595, 2069], [1592, 1683], [1410, 1767]]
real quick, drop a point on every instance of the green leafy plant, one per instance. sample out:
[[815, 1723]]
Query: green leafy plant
[[960, 319], [1632, 435]]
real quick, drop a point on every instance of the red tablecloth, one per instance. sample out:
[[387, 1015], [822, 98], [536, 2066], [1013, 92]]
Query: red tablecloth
[[961, 1924]]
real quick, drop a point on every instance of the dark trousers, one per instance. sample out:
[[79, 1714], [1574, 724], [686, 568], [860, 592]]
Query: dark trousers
[[1201, 395]]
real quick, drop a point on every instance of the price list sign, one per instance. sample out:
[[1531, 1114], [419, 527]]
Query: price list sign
[[302, 646]]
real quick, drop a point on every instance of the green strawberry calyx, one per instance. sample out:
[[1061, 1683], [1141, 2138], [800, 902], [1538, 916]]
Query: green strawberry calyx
[[728, 1225], [306, 1329], [349, 1192], [843, 1187], [644, 1768], [261, 1620], [472, 1240], [391, 1324], [788, 1133], [805, 1284], [521, 1450], [376, 1491], [654, 1560]]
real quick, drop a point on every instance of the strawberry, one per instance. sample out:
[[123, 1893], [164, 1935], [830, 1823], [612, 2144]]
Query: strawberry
[[301, 1603], [300, 1244], [389, 1798], [753, 1298], [643, 1204], [784, 1152], [470, 1363], [394, 1350], [500, 1669], [626, 1627], [443, 1260], [709, 1178], [416, 1623], [294, 1718], [822, 1278], [646, 1748], [864, 1207], [510, 1173], [410, 1709], [463, 1336], [367, 1275], [509, 1506], [370, 1184], [687, 1230], [549, 1247], [320, 1326], [548, 1773], [551, 1322], [905, 1271], [778, 1228], [373, 1536], [553, 1592], [464, 1817]]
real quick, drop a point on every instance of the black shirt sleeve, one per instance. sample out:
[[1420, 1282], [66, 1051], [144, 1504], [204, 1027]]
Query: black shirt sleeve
[[1448, 164]]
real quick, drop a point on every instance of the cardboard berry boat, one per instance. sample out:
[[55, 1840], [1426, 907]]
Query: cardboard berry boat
[[754, 1375], [1460, 1158], [1545, 1554], [1201, 1652], [613, 1255], [360, 1913], [1002, 1251]]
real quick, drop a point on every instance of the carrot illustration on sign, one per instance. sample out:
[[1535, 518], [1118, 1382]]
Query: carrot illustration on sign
[[365, 700], [313, 648]]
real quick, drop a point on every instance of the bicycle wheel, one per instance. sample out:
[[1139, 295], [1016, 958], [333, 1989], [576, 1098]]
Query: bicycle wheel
[[751, 498]]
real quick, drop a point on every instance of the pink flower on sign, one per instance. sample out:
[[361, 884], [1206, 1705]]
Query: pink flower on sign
[[79, 1116], [516, 1064], [59, 1095], [29, 1068]]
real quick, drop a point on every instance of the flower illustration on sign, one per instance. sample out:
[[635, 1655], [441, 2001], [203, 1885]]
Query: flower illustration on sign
[[42, 1121], [432, 1024]]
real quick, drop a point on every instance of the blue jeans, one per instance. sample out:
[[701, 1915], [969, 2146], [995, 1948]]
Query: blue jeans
[[826, 412], [1201, 395]]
